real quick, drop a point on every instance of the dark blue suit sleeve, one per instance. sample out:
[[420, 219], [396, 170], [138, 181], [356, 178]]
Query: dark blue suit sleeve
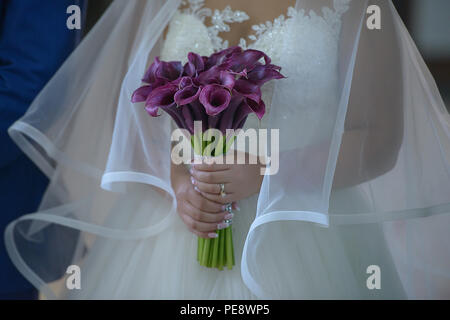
[[34, 41]]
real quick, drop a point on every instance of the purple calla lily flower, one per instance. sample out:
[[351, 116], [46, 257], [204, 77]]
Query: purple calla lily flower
[[189, 70], [248, 90], [198, 111], [169, 70], [187, 95], [220, 56], [149, 76], [242, 74], [194, 66], [227, 117], [161, 71], [227, 80], [188, 118], [210, 76], [216, 75], [215, 99], [141, 94], [220, 90], [197, 61], [247, 59], [259, 108], [241, 113], [183, 82], [159, 98], [246, 107], [262, 73], [223, 120]]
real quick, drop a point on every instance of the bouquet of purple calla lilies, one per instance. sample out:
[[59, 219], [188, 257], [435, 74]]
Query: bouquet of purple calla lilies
[[220, 91]]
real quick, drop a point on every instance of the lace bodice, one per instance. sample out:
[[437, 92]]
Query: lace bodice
[[317, 48]]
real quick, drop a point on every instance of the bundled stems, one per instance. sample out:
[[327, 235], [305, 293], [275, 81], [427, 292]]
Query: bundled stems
[[216, 252]]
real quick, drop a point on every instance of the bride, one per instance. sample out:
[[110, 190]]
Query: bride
[[359, 207]]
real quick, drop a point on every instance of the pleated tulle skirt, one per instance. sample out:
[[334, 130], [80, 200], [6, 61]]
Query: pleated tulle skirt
[[328, 263], [163, 266]]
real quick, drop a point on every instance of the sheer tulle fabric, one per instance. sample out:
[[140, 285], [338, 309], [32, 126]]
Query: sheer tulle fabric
[[68, 131], [364, 162], [400, 171]]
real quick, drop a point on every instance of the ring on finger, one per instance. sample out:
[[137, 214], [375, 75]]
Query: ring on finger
[[228, 208], [222, 190]]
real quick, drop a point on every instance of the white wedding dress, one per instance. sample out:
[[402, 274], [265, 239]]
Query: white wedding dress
[[110, 208], [164, 266]]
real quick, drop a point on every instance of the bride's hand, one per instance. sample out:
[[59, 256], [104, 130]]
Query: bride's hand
[[202, 216], [240, 181]]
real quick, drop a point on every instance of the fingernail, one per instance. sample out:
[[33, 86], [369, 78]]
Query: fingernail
[[193, 181], [196, 189], [213, 235], [191, 171], [229, 216], [238, 208], [222, 225]]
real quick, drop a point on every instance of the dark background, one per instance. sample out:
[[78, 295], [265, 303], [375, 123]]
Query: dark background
[[428, 21]]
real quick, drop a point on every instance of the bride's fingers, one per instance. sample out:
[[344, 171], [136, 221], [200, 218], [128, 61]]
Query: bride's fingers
[[202, 226], [228, 198], [206, 235], [202, 216], [211, 167], [203, 204], [213, 188], [195, 226], [211, 177]]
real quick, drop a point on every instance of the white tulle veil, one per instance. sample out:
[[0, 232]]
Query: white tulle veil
[[370, 180]]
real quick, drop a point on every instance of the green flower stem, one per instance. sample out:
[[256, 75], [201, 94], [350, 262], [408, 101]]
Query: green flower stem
[[217, 252], [221, 249], [210, 260], [200, 244], [229, 248], [205, 253]]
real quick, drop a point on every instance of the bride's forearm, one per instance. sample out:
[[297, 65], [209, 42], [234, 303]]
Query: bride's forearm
[[177, 174]]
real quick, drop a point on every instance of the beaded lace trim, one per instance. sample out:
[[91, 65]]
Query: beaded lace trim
[[220, 20]]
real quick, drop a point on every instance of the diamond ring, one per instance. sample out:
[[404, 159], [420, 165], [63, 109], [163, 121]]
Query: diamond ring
[[222, 190]]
